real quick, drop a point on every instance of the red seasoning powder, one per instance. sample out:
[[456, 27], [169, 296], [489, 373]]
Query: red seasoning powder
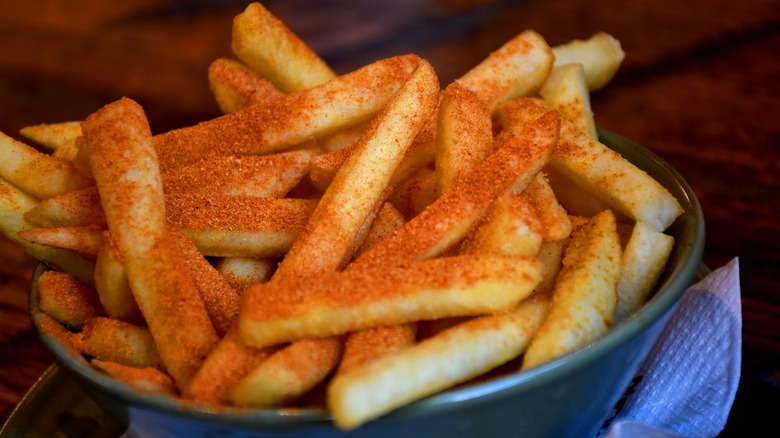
[[198, 211]]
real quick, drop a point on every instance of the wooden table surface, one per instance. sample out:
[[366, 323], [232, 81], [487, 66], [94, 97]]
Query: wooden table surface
[[699, 86]]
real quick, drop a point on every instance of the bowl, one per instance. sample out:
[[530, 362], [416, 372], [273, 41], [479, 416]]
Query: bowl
[[571, 396]]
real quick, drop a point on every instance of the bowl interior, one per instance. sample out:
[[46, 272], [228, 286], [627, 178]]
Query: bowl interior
[[682, 267]]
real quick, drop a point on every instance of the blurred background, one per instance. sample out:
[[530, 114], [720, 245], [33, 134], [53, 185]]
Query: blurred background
[[699, 86]]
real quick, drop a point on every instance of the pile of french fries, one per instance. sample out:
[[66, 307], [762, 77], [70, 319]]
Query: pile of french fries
[[376, 234]]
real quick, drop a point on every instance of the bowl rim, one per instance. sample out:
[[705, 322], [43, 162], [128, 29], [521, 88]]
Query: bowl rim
[[688, 250]]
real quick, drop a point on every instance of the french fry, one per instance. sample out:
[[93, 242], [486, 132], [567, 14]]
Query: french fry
[[364, 346], [219, 297], [608, 176], [518, 68], [387, 220], [514, 163], [644, 258], [584, 298], [112, 340], [86, 241], [591, 167], [550, 256], [242, 272], [13, 205], [145, 380], [335, 303], [510, 227], [344, 138], [132, 197], [267, 46], [288, 374], [566, 90], [574, 198], [419, 154], [78, 208], [240, 226], [67, 300], [328, 241], [52, 136], [235, 86], [224, 367], [272, 175], [453, 356], [35, 172], [600, 56], [554, 218], [291, 119], [112, 286], [464, 135]]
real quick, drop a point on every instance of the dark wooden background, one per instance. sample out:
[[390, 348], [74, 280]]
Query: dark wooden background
[[699, 86]]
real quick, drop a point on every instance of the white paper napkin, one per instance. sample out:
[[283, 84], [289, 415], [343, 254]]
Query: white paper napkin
[[687, 384]]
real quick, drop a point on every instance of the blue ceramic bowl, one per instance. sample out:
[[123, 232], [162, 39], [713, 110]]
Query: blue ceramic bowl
[[571, 396]]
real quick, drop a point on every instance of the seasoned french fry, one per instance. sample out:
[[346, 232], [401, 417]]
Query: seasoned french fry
[[113, 340], [364, 346], [291, 119], [145, 380], [335, 303], [224, 367], [614, 180], [514, 163], [450, 357], [86, 241], [289, 373], [644, 259], [219, 297], [67, 300], [132, 197], [387, 220], [566, 90], [554, 218], [572, 197], [518, 68], [272, 175], [600, 55], [329, 239], [13, 205], [112, 286], [78, 208], [419, 154], [509, 227], [239, 226], [550, 255], [464, 135], [584, 298], [267, 45], [242, 272], [35, 172], [52, 136], [235, 86]]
